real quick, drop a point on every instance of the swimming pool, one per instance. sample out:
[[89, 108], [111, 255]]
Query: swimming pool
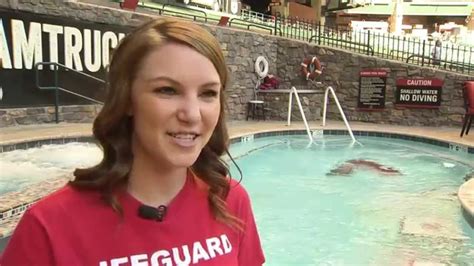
[[308, 215]]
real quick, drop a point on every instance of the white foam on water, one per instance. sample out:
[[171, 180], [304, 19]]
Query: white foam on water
[[448, 165], [21, 168]]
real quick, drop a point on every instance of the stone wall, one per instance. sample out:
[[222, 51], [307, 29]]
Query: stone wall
[[40, 115], [77, 11], [284, 56], [342, 73]]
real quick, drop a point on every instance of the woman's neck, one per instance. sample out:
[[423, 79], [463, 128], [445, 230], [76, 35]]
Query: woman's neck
[[153, 185]]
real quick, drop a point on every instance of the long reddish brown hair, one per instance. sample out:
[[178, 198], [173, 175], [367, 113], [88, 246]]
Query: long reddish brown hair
[[113, 126]]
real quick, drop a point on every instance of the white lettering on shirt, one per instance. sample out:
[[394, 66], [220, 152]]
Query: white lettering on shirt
[[204, 250], [226, 244], [199, 252], [139, 260], [177, 257], [213, 246], [118, 261], [156, 261]]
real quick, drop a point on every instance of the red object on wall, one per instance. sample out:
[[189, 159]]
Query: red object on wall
[[469, 100], [420, 82], [129, 4], [223, 21], [469, 105]]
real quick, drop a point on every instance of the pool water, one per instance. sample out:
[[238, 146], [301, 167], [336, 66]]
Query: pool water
[[23, 168], [306, 217]]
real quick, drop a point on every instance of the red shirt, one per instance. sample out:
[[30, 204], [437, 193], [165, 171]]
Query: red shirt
[[72, 227]]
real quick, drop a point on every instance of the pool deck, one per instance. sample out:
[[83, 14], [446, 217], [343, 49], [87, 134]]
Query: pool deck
[[12, 135]]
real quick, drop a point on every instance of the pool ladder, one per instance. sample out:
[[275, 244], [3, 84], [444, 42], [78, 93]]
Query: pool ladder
[[294, 92]]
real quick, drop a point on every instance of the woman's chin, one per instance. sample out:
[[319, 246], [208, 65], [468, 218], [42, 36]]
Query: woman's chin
[[184, 161]]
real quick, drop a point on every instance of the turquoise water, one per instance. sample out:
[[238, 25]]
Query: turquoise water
[[306, 217]]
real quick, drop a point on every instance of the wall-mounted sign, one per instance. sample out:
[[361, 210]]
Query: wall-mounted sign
[[27, 39], [419, 93], [372, 85]]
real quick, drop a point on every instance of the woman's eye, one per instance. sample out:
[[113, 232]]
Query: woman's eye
[[209, 94], [166, 90]]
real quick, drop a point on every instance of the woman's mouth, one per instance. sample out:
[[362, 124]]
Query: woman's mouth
[[184, 139]]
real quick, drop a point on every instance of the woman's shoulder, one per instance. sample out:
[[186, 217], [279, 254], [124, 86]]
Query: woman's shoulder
[[237, 194], [66, 198]]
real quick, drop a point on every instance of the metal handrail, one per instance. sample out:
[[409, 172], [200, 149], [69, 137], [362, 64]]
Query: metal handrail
[[162, 10], [244, 13], [329, 88], [290, 100], [249, 25], [67, 68], [56, 85], [369, 48], [184, 7], [447, 64], [79, 95]]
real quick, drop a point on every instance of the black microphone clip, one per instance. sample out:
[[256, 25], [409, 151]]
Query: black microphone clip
[[161, 212], [152, 213]]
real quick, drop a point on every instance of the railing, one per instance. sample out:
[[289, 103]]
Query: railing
[[369, 50], [457, 58], [293, 91], [250, 15], [162, 11], [449, 65], [237, 21], [326, 96], [55, 66]]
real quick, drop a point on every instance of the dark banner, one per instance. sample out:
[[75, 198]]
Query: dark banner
[[27, 39], [419, 93], [372, 86]]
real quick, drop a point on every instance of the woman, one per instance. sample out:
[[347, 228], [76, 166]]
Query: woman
[[161, 195]]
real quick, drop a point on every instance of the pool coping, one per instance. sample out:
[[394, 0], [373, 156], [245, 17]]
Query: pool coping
[[465, 194]]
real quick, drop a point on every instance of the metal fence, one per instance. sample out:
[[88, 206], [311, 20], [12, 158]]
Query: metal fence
[[455, 58]]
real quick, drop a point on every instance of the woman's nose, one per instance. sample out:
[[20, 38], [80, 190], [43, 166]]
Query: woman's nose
[[189, 110]]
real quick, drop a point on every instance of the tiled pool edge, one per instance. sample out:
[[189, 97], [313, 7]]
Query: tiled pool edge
[[364, 133], [14, 204], [243, 137], [27, 144]]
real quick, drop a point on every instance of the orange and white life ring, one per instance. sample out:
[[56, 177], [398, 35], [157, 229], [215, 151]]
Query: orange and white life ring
[[311, 68]]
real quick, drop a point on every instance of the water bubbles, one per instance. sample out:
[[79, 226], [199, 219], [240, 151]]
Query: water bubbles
[[21, 168]]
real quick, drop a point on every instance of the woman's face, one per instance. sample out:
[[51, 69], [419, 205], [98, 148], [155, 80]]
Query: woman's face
[[175, 106]]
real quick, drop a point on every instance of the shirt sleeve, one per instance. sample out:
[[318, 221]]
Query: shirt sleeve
[[250, 249], [29, 244]]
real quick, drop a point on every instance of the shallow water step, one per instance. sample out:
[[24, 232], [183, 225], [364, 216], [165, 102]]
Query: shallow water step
[[427, 263], [432, 227]]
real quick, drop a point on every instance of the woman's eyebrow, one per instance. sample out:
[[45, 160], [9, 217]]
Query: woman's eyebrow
[[173, 82], [210, 84], [162, 78]]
